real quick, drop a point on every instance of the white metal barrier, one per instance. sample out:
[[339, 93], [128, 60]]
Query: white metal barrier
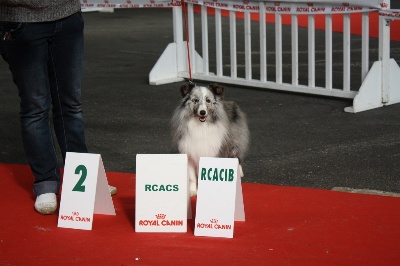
[[379, 84]]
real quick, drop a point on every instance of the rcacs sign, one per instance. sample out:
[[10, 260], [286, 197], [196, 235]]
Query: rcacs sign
[[161, 193]]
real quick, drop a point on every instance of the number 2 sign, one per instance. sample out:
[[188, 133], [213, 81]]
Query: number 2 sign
[[84, 191], [79, 186]]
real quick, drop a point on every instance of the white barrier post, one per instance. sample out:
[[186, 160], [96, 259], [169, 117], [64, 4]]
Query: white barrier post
[[365, 46], [263, 44], [171, 62], [172, 65], [232, 37], [328, 52], [278, 48], [204, 42], [384, 55]]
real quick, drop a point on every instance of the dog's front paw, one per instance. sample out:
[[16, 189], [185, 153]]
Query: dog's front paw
[[241, 174], [193, 189]]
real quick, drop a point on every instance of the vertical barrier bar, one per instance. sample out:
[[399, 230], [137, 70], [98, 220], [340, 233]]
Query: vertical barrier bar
[[204, 34], [218, 33], [328, 52], [385, 61], [311, 51], [263, 43], [247, 45], [346, 52], [177, 23], [232, 27], [278, 48], [178, 37], [192, 49], [365, 46], [384, 54], [295, 50]]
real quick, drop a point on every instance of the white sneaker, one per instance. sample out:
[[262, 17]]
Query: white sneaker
[[113, 190], [46, 203]]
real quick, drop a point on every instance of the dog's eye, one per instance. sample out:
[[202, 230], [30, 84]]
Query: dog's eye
[[208, 101], [195, 100]]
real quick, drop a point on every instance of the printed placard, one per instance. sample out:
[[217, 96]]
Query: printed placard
[[84, 191], [219, 197], [162, 193]]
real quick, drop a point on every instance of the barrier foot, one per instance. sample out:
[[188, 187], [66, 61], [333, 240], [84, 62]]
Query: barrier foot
[[166, 68], [370, 94], [172, 67]]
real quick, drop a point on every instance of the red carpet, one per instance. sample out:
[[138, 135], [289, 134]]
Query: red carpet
[[320, 22], [284, 226]]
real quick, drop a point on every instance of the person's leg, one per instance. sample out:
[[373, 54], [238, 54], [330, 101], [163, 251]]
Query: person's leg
[[25, 48], [65, 64], [65, 71]]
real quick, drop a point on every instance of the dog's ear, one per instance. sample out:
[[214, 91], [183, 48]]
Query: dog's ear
[[186, 88], [216, 89]]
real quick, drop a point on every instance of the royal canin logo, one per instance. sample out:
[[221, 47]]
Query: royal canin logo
[[214, 225], [75, 218], [246, 2], [215, 1], [277, 3], [152, 1], [175, 3], [310, 4], [345, 4], [128, 1], [161, 221], [106, 1], [384, 5], [85, 4], [161, 216]]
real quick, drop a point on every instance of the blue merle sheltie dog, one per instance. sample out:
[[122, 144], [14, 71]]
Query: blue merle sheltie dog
[[204, 125]]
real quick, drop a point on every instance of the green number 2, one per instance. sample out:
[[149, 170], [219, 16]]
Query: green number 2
[[79, 186]]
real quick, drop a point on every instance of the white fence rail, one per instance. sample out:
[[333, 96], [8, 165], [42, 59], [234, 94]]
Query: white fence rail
[[379, 85]]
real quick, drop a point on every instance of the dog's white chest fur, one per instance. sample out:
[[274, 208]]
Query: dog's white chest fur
[[202, 139]]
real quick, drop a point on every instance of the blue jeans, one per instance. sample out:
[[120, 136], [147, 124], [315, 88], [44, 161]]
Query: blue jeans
[[46, 62]]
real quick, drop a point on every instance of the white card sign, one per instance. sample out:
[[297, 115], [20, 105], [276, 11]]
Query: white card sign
[[219, 197], [162, 194], [84, 191]]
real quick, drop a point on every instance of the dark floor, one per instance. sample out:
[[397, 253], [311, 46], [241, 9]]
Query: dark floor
[[296, 140]]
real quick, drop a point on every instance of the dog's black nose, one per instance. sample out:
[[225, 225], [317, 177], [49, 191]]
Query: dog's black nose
[[202, 112]]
